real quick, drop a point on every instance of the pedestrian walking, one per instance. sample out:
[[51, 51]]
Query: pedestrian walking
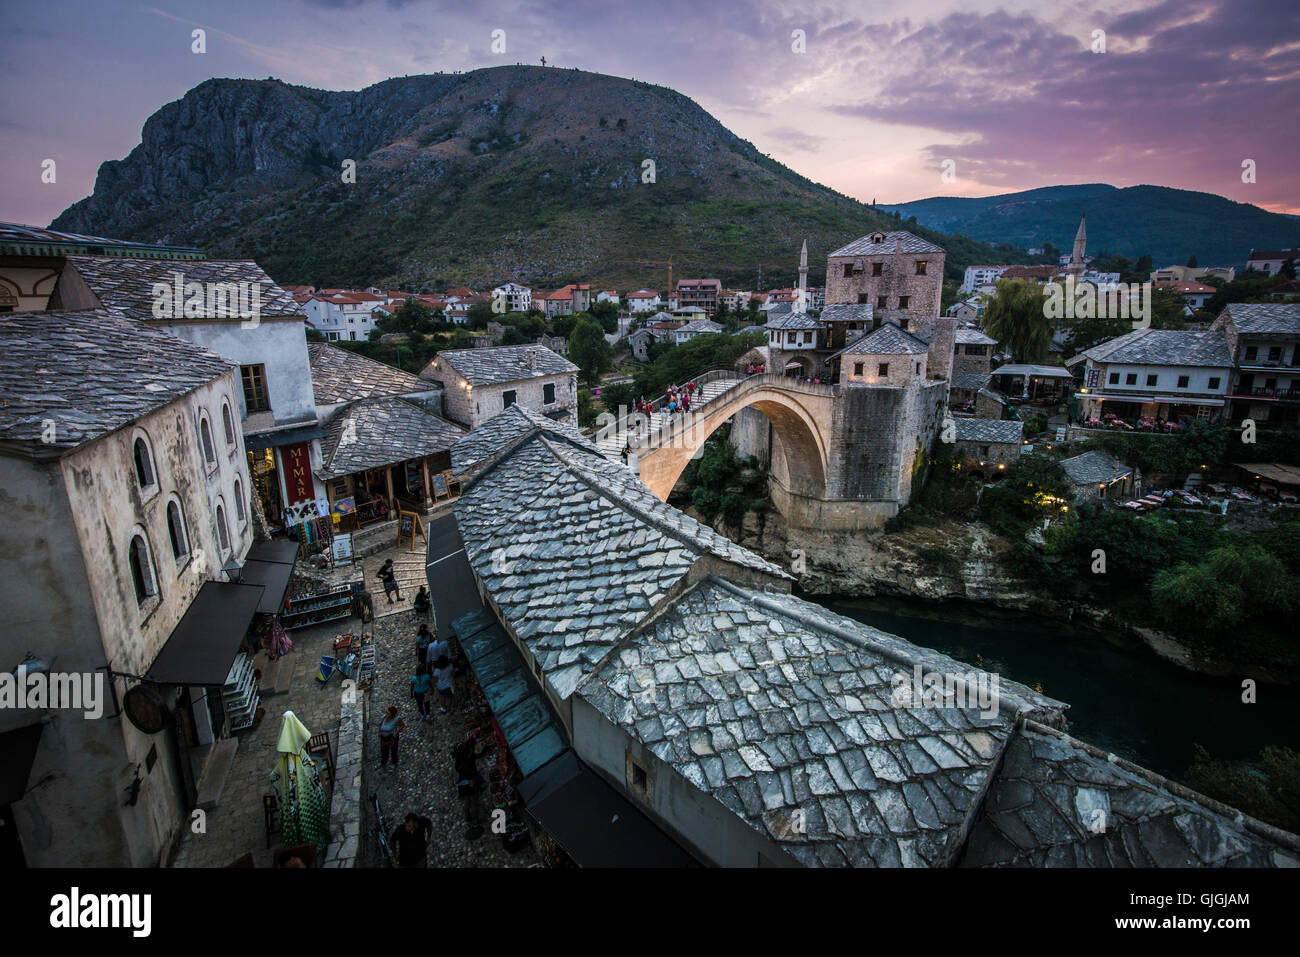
[[422, 639], [389, 730], [686, 402], [627, 450], [411, 838], [443, 676], [438, 648], [421, 685], [388, 575]]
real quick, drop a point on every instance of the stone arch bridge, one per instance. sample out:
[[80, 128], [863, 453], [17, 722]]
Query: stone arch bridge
[[840, 457]]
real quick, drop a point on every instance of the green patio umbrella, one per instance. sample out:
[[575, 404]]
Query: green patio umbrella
[[304, 815]]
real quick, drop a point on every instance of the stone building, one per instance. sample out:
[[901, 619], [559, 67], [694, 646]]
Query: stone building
[[1096, 476], [275, 405], [477, 384], [756, 729], [898, 273], [1264, 342], [131, 495], [988, 443]]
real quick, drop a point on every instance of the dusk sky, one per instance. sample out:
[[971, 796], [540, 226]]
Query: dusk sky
[[884, 93]]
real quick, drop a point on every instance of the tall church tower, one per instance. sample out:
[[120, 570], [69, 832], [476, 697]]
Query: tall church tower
[[1080, 248]]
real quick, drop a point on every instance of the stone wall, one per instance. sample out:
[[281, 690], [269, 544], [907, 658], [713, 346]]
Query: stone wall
[[750, 434], [898, 278], [347, 808], [939, 332]]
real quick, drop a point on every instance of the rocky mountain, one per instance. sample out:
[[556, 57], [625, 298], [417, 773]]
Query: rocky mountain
[[1170, 224], [529, 173]]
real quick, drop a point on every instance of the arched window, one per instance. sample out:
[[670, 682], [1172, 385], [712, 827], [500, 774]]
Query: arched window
[[228, 423], [141, 569], [205, 434], [241, 512], [143, 462], [223, 533], [176, 531]]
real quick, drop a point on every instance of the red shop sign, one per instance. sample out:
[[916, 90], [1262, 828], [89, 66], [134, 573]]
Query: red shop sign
[[297, 473]]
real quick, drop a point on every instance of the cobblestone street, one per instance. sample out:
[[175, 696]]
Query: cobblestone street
[[425, 780]]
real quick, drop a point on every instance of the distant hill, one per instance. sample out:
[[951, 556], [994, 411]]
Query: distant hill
[[1170, 224], [525, 173]]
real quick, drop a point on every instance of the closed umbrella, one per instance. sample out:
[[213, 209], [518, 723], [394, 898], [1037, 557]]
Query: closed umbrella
[[304, 815]]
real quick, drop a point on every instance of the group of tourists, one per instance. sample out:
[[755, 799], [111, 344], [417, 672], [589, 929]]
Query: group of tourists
[[755, 369]]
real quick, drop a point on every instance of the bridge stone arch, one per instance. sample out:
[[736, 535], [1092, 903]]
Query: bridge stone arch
[[800, 413]]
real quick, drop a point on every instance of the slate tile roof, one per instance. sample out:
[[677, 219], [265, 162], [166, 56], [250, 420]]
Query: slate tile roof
[[576, 551], [371, 433], [758, 699], [848, 312], [971, 381], [90, 372], [1262, 318], [967, 336], [702, 325], [989, 430], [502, 364], [1170, 347], [792, 320], [1044, 807], [1093, 468], [338, 375], [502, 430], [888, 339], [911, 243], [127, 284]]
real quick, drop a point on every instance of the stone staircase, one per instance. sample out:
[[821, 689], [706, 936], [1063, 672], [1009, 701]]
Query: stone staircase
[[611, 443]]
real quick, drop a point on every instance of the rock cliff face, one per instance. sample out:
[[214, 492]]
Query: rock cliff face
[[516, 172]]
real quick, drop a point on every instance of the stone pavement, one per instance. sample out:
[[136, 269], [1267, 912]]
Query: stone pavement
[[236, 826], [425, 781]]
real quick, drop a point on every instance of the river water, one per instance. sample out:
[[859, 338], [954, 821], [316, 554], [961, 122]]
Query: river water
[[1128, 702]]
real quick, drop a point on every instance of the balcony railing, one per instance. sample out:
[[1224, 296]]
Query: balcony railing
[[1265, 394]]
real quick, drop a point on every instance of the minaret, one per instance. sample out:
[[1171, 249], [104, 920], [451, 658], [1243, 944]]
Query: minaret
[[801, 297], [1080, 245]]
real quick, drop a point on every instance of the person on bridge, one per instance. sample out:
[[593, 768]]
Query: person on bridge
[[690, 389], [686, 400]]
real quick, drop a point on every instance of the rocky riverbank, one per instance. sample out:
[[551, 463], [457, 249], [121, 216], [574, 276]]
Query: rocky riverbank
[[956, 561]]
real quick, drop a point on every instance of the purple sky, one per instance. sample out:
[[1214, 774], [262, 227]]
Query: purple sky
[[884, 93]]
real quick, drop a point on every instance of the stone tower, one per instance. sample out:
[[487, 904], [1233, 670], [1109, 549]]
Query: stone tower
[[801, 297], [1080, 248]]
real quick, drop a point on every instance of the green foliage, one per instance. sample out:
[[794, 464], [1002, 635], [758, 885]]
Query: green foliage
[[1230, 585], [1267, 789], [410, 317], [1179, 453], [672, 363], [606, 313], [1032, 489], [950, 490], [479, 315], [588, 349], [1016, 318], [586, 409]]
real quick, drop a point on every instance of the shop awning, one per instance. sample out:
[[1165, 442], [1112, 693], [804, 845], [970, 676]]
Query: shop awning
[[1275, 471], [205, 641], [517, 703], [595, 825], [273, 437], [17, 755], [1042, 372], [279, 551], [1185, 400], [274, 579]]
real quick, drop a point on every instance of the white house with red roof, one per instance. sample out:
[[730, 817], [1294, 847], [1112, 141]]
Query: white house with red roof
[[341, 314], [643, 300]]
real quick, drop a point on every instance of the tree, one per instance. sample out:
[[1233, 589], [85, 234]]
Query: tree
[[1232, 584], [588, 349], [460, 339], [1167, 308], [1288, 269], [1191, 263], [1017, 318], [479, 315], [606, 313], [411, 317]]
